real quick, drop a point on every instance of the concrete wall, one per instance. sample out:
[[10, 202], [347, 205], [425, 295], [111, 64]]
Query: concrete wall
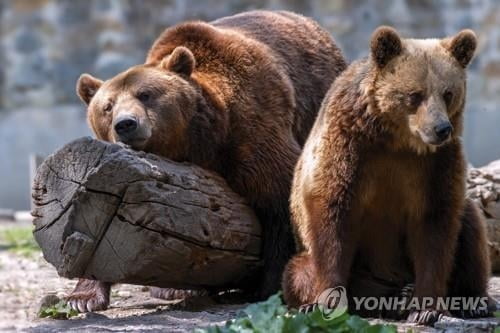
[[46, 44]]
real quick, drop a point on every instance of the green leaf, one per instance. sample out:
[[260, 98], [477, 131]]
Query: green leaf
[[273, 316], [296, 323], [357, 323], [378, 328], [318, 320], [60, 310]]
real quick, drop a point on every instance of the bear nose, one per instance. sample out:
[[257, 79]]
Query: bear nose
[[443, 130], [126, 125]]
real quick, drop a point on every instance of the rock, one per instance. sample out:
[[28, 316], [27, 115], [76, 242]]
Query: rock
[[47, 301], [493, 228], [27, 41], [450, 324], [489, 195], [124, 294], [112, 63], [493, 209], [483, 187], [32, 74], [494, 255], [93, 316]]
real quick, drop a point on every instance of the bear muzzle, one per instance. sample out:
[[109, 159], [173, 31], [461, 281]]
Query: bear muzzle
[[126, 126], [443, 130], [437, 134], [128, 130]]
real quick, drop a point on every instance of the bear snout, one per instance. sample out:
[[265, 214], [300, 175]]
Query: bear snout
[[437, 134], [130, 130], [443, 130], [125, 126]]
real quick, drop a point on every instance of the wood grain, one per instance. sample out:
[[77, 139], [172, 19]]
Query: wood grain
[[105, 212]]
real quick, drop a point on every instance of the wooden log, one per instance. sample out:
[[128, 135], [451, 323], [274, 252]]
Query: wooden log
[[105, 212]]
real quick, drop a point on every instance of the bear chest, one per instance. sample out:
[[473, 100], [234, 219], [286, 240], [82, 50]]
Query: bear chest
[[390, 198]]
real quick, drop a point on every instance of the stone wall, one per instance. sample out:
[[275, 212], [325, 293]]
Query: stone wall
[[46, 44]]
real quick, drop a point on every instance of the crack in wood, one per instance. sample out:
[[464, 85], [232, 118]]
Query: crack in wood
[[197, 219], [179, 236]]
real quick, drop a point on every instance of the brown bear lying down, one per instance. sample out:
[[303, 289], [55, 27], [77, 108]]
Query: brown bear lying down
[[237, 96], [378, 197]]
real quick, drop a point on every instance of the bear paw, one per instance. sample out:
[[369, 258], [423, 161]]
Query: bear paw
[[89, 296], [307, 308], [425, 317], [472, 314], [407, 291], [480, 312], [170, 294]]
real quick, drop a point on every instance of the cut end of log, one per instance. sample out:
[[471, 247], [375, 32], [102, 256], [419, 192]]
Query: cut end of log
[[105, 212]]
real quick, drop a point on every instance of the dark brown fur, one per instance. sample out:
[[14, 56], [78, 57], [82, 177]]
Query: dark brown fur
[[376, 204], [238, 96]]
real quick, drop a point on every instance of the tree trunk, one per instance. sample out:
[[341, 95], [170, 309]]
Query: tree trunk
[[106, 212]]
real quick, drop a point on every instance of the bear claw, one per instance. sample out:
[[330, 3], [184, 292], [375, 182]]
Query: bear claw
[[87, 303], [425, 317], [89, 296], [173, 294], [306, 308]]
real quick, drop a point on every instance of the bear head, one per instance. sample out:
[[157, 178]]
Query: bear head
[[148, 107], [420, 85]]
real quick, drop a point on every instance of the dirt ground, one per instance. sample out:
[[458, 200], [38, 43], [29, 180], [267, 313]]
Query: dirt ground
[[25, 280]]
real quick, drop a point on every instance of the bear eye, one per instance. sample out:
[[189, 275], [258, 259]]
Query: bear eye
[[416, 99], [447, 96], [144, 96], [108, 107]]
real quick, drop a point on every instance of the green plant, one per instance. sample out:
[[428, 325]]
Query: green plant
[[19, 240], [497, 314], [272, 316], [60, 310]]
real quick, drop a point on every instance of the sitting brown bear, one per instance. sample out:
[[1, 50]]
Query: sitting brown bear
[[378, 197], [237, 96]]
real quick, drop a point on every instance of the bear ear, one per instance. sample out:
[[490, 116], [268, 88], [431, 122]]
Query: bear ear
[[180, 61], [87, 87], [385, 45], [462, 46]]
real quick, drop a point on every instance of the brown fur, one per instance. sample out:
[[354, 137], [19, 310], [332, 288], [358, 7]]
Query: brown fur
[[237, 96], [373, 194]]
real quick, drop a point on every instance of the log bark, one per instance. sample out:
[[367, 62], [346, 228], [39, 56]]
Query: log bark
[[105, 212]]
